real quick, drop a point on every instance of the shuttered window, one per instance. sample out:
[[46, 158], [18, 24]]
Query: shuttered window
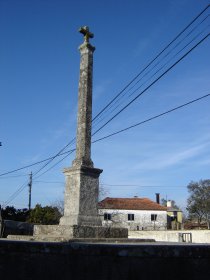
[[153, 217], [130, 217], [107, 216]]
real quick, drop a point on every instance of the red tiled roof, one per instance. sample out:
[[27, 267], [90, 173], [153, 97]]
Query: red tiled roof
[[130, 204]]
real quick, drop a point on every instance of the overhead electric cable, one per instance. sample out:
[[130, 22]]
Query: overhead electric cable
[[150, 70], [58, 154], [155, 81], [141, 186], [55, 164], [119, 131], [14, 176], [158, 55], [19, 190], [48, 182], [193, 39], [152, 118], [38, 162], [168, 61], [15, 194]]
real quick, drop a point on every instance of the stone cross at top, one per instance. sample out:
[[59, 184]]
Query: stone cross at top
[[87, 34]]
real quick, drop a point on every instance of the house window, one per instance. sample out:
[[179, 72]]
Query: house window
[[153, 217], [175, 214], [130, 217], [107, 216]]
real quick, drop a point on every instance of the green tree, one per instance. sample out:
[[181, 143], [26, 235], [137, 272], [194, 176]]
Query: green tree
[[198, 203], [47, 215], [11, 213]]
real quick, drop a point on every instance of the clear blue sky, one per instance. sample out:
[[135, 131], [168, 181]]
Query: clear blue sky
[[39, 72]]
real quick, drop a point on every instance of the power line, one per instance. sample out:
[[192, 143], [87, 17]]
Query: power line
[[194, 38], [152, 118], [119, 131], [141, 186], [158, 55], [149, 71], [58, 154], [38, 162], [14, 176], [49, 182], [155, 81], [55, 164], [19, 190], [15, 194]]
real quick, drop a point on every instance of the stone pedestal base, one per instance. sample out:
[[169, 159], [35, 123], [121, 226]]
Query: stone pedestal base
[[81, 196], [71, 232], [82, 219]]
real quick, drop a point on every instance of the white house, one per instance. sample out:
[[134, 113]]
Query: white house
[[133, 213]]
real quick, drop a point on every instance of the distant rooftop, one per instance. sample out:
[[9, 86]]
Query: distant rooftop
[[130, 204]]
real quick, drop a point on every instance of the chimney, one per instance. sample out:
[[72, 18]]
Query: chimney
[[169, 204], [157, 198]]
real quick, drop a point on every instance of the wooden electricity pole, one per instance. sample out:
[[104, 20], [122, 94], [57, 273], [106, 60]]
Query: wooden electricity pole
[[29, 189]]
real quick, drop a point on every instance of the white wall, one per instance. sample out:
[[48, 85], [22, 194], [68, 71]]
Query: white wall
[[142, 219], [198, 236]]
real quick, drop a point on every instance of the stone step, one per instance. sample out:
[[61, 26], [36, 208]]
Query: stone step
[[77, 231], [20, 237], [41, 238], [47, 238], [53, 230]]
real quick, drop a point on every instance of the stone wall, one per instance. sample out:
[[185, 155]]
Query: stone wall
[[39, 260], [198, 236], [15, 227]]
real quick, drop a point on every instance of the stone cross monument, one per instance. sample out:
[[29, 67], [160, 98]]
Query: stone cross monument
[[81, 218], [82, 179]]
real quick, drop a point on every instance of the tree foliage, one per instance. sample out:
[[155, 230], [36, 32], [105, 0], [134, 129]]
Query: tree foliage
[[198, 203], [47, 215], [39, 215], [11, 213]]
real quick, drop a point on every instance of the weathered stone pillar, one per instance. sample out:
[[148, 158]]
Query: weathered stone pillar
[[82, 179], [84, 116]]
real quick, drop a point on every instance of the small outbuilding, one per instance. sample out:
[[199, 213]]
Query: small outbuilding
[[175, 216]]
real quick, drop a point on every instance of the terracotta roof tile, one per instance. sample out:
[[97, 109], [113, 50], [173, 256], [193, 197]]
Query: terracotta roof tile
[[130, 204]]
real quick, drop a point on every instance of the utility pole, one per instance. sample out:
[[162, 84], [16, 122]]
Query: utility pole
[[1, 223], [30, 187]]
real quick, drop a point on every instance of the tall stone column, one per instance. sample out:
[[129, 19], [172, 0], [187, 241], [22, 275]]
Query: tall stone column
[[84, 116], [82, 179]]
